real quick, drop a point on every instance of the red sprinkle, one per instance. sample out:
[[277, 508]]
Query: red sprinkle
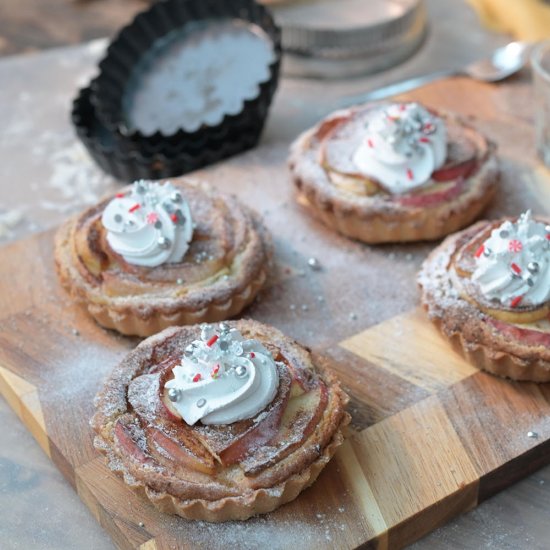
[[428, 126], [516, 301], [516, 268], [410, 174], [120, 195], [152, 217], [370, 143], [197, 377], [480, 251], [252, 355], [424, 140], [136, 206], [212, 340], [215, 371], [515, 246], [402, 107], [174, 217], [548, 237]]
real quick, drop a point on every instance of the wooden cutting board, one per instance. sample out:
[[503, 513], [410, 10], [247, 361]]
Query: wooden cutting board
[[431, 438]]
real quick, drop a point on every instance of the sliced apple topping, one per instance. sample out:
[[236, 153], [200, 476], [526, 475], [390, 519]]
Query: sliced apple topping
[[300, 418], [341, 136], [433, 194], [190, 455], [532, 336], [131, 439]]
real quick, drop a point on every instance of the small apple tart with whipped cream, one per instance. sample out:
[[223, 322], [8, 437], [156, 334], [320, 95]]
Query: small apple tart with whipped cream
[[162, 254], [219, 422], [394, 172], [487, 288]]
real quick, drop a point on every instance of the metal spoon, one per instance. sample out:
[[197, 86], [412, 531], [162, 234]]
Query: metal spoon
[[503, 63]]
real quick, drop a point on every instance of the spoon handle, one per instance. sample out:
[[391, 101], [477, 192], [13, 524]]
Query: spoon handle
[[395, 88]]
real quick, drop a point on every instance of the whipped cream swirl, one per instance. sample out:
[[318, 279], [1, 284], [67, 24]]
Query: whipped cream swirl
[[149, 226], [403, 145], [513, 264], [223, 378]]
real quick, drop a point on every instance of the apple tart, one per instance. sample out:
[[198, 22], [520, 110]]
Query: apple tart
[[219, 422], [162, 254], [487, 288], [394, 172]]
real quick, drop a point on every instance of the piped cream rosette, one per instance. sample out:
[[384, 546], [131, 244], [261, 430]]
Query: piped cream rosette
[[223, 378]]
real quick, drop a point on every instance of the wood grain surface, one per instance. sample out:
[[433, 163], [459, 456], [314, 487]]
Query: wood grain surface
[[432, 437]]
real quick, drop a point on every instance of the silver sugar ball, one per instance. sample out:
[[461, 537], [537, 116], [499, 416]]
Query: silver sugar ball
[[201, 403], [224, 327], [158, 224], [174, 394], [533, 267], [176, 196], [164, 243], [532, 435], [241, 371], [504, 234], [547, 229], [140, 187], [314, 264], [189, 350], [118, 218], [223, 345], [487, 252], [530, 282]]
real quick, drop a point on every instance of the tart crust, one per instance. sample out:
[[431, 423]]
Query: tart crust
[[230, 492], [382, 217], [489, 343], [147, 300]]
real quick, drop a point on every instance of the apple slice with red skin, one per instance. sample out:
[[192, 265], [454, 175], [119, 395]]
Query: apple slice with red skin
[[524, 335], [169, 409], [167, 435], [434, 198], [336, 152], [453, 171], [126, 441], [328, 126], [199, 460], [230, 443], [263, 430], [256, 437], [298, 422], [461, 157]]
